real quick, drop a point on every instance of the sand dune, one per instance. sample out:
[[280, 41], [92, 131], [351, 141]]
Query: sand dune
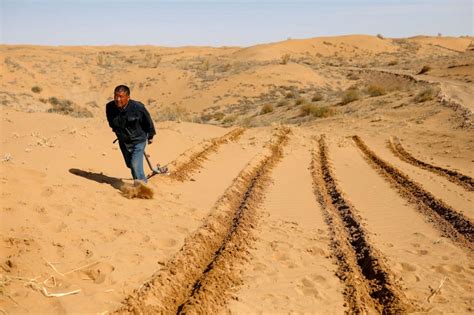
[[286, 194]]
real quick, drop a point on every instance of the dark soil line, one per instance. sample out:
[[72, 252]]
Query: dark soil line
[[221, 241], [368, 282], [450, 222], [183, 171], [209, 290], [453, 176]]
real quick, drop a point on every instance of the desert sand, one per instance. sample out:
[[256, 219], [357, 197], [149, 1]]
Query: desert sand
[[321, 176]]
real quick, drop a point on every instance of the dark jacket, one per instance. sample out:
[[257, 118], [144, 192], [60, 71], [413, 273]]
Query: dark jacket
[[132, 124]]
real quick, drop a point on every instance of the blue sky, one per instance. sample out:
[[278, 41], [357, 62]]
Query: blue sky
[[224, 22]]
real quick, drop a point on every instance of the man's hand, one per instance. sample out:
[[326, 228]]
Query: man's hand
[[150, 141]]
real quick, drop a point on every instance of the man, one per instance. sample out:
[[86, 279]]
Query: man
[[133, 127]]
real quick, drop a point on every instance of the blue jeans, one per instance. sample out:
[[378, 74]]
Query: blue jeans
[[133, 155]]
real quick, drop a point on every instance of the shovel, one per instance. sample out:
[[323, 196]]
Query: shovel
[[157, 169]]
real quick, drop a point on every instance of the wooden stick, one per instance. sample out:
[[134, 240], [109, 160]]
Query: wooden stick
[[437, 290]]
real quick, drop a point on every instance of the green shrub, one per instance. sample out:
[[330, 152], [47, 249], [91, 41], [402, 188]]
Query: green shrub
[[267, 108], [425, 95], [36, 89], [349, 96], [315, 111], [376, 90]]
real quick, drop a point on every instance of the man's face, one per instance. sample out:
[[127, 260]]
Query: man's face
[[121, 99]]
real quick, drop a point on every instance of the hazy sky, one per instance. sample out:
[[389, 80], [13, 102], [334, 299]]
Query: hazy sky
[[224, 22]]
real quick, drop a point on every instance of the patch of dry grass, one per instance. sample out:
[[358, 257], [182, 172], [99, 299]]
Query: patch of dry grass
[[67, 107], [349, 96], [316, 111], [267, 108], [376, 90], [425, 95]]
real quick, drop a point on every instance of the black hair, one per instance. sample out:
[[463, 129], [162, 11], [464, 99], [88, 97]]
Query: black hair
[[122, 88]]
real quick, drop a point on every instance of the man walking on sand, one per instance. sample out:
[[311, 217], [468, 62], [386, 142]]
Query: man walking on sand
[[133, 127]]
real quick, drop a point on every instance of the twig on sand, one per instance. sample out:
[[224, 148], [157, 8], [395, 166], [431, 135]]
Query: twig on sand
[[82, 267], [71, 271], [437, 290], [52, 267]]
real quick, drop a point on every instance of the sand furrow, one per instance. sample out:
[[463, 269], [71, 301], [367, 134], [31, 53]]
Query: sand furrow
[[370, 286], [462, 180], [418, 256], [290, 269], [452, 223], [182, 170], [203, 260]]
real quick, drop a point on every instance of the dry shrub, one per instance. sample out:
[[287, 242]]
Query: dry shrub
[[380, 36], [290, 95], [315, 111], [176, 113], [67, 107], [376, 90], [137, 190], [425, 69], [36, 89], [317, 97], [392, 63], [300, 100], [267, 108], [349, 96], [285, 58], [229, 119], [425, 95], [282, 103], [353, 76]]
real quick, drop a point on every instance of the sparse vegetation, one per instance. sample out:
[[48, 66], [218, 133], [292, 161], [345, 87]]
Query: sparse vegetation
[[353, 76], [36, 89], [300, 100], [282, 103], [285, 58], [317, 97], [425, 95], [290, 95], [425, 69], [67, 107], [349, 96], [376, 90], [175, 113], [229, 119], [267, 108], [315, 111]]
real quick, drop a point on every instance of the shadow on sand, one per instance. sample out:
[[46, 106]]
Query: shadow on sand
[[98, 177]]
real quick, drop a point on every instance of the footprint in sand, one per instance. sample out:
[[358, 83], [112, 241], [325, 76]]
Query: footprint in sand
[[408, 267], [98, 273], [308, 288], [168, 242]]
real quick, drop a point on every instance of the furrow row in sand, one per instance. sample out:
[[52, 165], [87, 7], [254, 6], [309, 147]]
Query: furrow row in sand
[[451, 223], [182, 170], [462, 180], [198, 276], [369, 284]]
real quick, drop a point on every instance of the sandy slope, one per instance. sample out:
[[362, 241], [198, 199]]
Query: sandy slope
[[251, 225]]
